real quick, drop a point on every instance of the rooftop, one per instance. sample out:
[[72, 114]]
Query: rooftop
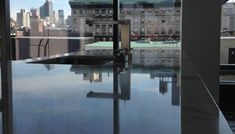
[[138, 44], [78, 2]]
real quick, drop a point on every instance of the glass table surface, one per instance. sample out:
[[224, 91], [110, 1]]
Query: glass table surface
[[111, 98]]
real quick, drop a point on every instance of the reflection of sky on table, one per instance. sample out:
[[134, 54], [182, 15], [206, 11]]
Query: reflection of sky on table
[[55, 102]]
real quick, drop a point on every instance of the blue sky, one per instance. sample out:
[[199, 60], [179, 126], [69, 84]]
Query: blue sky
[[16, 5]]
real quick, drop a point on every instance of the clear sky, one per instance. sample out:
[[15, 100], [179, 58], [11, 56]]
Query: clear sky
[[16, 5]]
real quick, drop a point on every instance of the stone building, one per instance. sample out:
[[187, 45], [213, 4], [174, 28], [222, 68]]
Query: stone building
[[154, 21]]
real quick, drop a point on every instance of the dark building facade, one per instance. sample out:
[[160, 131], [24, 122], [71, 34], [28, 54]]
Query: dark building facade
[[46, 10]]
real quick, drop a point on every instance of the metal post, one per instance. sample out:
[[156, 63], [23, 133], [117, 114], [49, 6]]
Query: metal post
[[116, 120], [115, 27], [6, 72]]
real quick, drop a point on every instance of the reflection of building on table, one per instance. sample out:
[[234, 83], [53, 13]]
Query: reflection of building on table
[[165, 77], [95, 74], [120, 73], [122, 84], [165, 53], [92, 77]]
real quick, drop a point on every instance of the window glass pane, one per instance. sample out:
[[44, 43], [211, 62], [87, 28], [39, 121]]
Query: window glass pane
[[78, 80], [227, 53]]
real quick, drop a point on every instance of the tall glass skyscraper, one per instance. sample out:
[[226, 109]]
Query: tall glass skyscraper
[[46, 10]]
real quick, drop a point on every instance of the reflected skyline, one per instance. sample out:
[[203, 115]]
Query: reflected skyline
[[53, 105], [163, 77]]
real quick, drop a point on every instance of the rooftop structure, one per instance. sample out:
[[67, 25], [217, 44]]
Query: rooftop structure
[[166, 2], [136, 45]]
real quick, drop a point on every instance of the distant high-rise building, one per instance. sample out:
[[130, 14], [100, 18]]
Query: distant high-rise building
[[69, 22], [20, 18], [35, 23], [61, 18], [23, 19], [54, 18], [46, 10], [34, 12], [36, 26], [27, 20], [228, 17]]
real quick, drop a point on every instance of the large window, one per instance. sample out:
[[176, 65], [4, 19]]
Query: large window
[[83, 76], [94, 66]]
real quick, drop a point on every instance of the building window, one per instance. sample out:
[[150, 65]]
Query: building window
[[136, 19], [135, 30], [97, 29], [97, 11], [171, 20], [141, 30], [110, 29], [124, 11], [129, 11], [74, 20], [74, 11], [103, 11], [149, 20], [156, 19], [155, 30], [170, 31], [81, 11], [156, 11], [110, 11], [163, 11], [149, 31], [88, 11], [87, 29], [177, 31], [142, 20], [103, 29], [142, 12], [163, 31]]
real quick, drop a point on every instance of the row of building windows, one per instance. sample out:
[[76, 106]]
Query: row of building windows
[[136, 21], [170, 11], [157, 11], [103, 29], [93, 11], [108, 29]]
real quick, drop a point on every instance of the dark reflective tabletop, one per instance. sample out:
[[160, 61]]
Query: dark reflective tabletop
[[111, 98]]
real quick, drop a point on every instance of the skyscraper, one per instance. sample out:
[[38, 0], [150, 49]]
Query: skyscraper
[[54, 18], [20, 18], [35, 23], [34, 12], [46, 10], [60, 18], [23, 18]]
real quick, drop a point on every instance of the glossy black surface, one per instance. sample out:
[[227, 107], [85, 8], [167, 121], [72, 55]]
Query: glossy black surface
[[82, 99], [112, 98]]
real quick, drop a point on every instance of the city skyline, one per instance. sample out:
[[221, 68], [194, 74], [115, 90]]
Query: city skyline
[[16, 5]]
